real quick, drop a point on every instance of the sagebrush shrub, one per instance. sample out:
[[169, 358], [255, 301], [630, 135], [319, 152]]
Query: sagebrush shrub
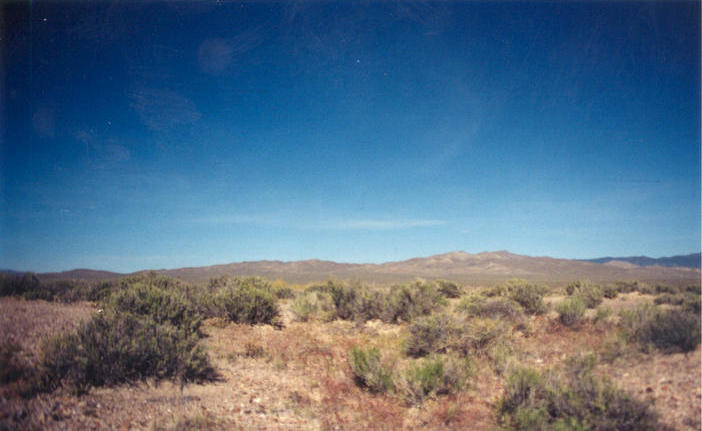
[[111, 349], [344, 298], [592, 295], [529, 296], [305, 306], [369, 371], [407, 302], [448, 289], [634, 320], [573, 399], [424, 378], [18, 285], [610, 292], [672, 330], [431, 334], [247, 304], [497, 307], [687, 300], [571, 311], [480, 334], [162, 305], [472, 303]]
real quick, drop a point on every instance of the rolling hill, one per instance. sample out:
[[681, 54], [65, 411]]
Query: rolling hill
[[460, 266]]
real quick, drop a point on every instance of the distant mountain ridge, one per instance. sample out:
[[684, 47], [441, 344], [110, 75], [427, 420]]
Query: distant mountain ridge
[[485, 267], [681, 261]]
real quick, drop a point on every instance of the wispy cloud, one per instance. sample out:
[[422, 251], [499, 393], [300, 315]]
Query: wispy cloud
[[215, 56], [163, 110], [381, 224], [102, 150], [328, 224]]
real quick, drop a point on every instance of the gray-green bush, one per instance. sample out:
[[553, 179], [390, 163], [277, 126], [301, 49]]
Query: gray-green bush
[[369, 371], [667, 330], [571, 311], [432, 376], [246, 304], [111, 349], [572, 399]]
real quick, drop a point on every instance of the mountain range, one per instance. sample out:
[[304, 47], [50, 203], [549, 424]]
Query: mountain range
[[682, 261], [458, 266]]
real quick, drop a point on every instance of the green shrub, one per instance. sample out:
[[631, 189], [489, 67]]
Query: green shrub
[[626, 287], [496, 290], [573, 399], [672, 330], [634, 320], [368, 304], [111, 349], [448, 289], [645, 289], [694, 288], [247, 304], [304, 307], [437, 375], [369, 371], [431, 334], [668, 330], [591, 294], [440, 333], [571, 311], [480, 334], [313, 304], [602, 314], [283, 292], [576, 286], [688, 301], [159, 304], [610, 292], [521, 389], [529, 296], [19, 284], [472, 303], [406, 302], [664, 288], [498, 307], [344, 298]]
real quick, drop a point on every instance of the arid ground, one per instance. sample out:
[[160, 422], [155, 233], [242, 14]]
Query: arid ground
[[299, 377]]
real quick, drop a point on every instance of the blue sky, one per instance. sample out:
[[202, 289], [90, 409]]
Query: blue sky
[[182, 134]]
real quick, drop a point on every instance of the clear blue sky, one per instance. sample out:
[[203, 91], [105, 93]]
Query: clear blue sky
[[174, 134]]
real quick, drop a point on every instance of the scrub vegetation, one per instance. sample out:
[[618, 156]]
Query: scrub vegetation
[[245, 352]]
